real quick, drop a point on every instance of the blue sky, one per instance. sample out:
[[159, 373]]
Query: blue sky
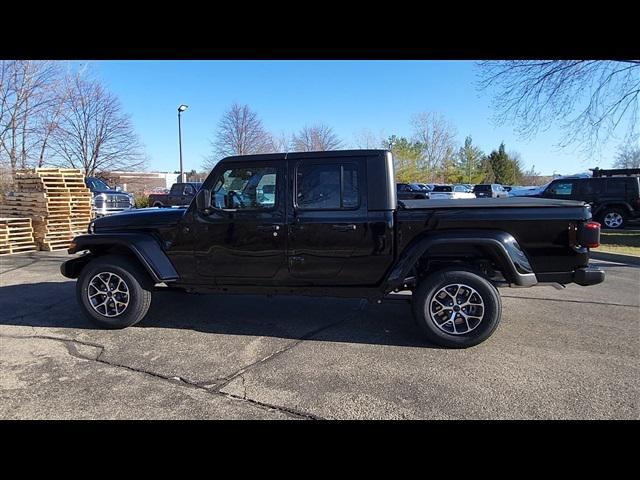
[[350, 96]]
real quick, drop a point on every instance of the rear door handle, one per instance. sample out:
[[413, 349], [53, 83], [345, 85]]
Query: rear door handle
[[344, 228]]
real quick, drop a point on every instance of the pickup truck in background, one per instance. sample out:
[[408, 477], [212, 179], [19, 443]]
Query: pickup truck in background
[[107, 200], [330, 224], [180, 195]]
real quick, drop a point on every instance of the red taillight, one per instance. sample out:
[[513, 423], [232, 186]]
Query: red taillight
[[594, 226]]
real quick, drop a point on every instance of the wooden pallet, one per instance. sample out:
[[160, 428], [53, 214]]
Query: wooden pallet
[[57, 201], [16, 236]]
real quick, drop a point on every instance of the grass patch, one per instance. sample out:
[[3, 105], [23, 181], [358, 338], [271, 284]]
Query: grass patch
[[626, 243]]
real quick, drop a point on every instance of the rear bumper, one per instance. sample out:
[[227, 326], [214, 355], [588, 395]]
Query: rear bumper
[[588, 276], [584, 276]]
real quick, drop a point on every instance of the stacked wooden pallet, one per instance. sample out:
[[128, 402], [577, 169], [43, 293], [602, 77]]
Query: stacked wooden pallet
[[57, 201], [16, 236]]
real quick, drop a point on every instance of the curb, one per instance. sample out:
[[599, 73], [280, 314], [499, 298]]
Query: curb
[[615, 257]]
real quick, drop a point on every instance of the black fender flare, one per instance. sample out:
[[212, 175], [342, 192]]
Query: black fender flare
[[619, 205], [503, 245], [144, 246]]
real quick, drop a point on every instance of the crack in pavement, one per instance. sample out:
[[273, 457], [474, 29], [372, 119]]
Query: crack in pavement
[[74, 352], [289, 346], [215, 387]]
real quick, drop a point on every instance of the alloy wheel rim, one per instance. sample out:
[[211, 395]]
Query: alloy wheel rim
[[456, 309], [613, 219], [108, 294]]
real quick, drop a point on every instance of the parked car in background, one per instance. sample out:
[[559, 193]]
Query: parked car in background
[[490, 190], [424, 186], [450, 192], [108, 200], [410, 191], [180, 194], [614, 200]]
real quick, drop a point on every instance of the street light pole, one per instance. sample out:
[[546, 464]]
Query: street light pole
[[181, 109]]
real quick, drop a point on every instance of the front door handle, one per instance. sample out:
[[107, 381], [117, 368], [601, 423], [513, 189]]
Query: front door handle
[[268, 228], [344, 228]]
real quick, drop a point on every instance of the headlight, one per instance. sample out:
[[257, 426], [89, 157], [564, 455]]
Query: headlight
[[91, 228], [100, 200]]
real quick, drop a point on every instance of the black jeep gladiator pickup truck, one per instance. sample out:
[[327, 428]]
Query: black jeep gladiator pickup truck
[[329, 223]]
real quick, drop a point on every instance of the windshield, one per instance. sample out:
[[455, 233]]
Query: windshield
[[442, 188], [96, 184], [482, 188]]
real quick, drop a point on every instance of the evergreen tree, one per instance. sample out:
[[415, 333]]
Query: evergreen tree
[[468, 163], [486, 171], [407, 156], [506, 170]]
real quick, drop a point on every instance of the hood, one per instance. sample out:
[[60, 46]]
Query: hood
[[142, 218]]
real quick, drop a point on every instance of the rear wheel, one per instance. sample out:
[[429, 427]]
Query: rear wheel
[[456, 308], [114, 291], [613, 218], [157, 204]]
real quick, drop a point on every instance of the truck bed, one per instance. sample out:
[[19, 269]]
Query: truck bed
[[520, 202]]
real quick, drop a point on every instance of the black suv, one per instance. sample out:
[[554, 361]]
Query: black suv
[[613, 200], [491, 190]]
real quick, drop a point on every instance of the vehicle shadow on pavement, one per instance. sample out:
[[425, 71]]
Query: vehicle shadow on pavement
[[53, 305]]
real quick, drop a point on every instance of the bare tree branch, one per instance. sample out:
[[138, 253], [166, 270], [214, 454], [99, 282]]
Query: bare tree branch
[[240, 132], [436, 135], [91, 131], [589, 100], [315, 138]]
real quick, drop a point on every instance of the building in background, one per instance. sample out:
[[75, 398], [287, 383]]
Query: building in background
[[144, 183], [141, 183]]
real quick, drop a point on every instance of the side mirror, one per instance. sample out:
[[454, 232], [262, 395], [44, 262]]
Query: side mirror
[[203, 199]]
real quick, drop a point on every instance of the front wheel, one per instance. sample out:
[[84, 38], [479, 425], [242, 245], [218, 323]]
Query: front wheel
[[456, 308], [114, 291]]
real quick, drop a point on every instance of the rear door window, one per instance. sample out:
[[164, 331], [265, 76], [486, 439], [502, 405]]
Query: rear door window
[[332, 186], [616, 186], [591, 187]]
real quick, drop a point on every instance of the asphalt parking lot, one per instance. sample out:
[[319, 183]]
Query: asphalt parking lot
[[569, 354]]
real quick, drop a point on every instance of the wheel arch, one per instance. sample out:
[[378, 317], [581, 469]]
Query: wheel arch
[[625, 207], [499, 246], [144, 248]]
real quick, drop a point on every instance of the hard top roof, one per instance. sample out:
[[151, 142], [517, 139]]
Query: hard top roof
[[303, 155]]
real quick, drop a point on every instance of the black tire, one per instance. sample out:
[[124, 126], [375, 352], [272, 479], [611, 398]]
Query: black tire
[[138, 285], [617, 214], [157, 204], [477, 332]]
